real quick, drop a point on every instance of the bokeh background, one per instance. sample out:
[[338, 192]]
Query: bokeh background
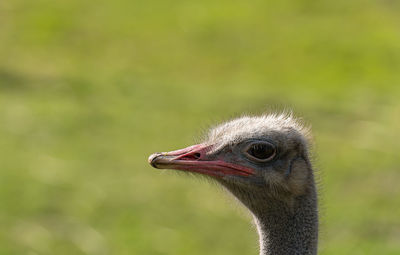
[[88, 89]]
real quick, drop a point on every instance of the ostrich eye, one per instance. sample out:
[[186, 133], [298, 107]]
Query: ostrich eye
[[260, 152]]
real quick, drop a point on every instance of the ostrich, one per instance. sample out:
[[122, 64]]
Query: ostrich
[[264, 162]]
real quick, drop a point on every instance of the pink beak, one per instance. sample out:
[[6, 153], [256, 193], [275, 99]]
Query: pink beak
[[194, 159]]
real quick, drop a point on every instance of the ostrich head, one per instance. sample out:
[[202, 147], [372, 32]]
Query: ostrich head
[[257, 159], [263, 161]]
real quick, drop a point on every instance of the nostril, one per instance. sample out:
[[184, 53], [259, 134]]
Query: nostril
[[191, 156], [196, 155]]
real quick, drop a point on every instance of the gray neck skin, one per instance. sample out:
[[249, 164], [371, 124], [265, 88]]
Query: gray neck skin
[[285, 230], [284, 227]]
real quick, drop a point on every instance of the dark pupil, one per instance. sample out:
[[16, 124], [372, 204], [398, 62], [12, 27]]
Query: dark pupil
[[261, 151]]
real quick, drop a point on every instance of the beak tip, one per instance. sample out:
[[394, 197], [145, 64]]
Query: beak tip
[[152, 159]]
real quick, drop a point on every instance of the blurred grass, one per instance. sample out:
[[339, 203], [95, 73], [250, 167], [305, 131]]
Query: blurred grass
[[88, 89]]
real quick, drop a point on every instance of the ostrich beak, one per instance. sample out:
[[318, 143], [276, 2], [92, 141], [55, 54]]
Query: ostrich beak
[[195, 159]]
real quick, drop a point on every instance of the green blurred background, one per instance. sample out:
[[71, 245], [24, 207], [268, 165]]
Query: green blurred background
[[88, 89]]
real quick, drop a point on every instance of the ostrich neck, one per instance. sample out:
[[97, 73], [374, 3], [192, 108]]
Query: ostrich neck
[[284, 227], [288, 230]]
